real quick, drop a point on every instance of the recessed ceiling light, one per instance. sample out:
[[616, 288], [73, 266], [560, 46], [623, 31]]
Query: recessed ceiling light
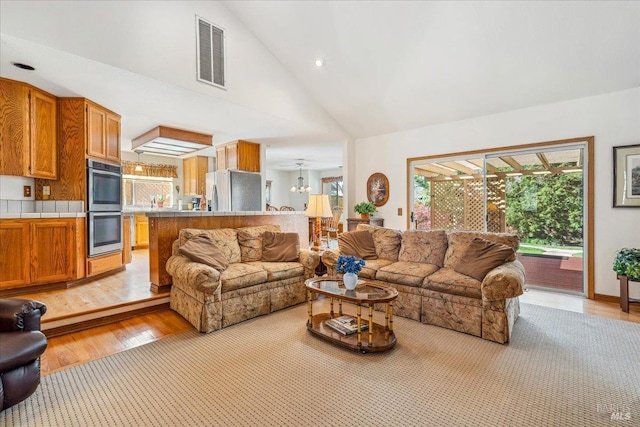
[[23, 66], [320, 62]]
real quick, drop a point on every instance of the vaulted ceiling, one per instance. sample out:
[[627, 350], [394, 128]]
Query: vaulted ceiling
[[390, 65]]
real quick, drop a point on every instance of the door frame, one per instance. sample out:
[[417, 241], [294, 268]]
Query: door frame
[[588, 183]]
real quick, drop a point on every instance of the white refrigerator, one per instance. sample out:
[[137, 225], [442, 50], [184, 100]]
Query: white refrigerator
[[231, 191]]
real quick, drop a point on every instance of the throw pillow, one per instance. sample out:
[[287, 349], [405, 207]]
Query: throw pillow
[[357, 243], [200, 248], [481, 256], [280, 247]]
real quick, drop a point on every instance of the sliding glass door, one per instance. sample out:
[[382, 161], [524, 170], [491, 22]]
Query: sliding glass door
[[538, 193]]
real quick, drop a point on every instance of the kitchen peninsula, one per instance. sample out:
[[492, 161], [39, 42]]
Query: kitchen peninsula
[[165, 225]]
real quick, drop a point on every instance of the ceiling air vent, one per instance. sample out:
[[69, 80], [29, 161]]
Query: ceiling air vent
[[210, 44]]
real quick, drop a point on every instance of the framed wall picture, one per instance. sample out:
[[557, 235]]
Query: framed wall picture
[[378, 189], [626, 176]]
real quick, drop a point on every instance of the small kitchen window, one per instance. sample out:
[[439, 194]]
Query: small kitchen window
[[145, 192]]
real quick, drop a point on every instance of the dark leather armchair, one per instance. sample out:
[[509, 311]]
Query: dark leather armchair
[[21, 344]]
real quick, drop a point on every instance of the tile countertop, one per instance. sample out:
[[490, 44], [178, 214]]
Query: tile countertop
[[43, 215]]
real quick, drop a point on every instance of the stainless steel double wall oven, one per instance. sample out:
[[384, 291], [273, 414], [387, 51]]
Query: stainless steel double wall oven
[[104, 208]]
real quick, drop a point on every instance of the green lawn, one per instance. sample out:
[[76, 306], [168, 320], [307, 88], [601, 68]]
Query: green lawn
[[533, 248], [526, 250]]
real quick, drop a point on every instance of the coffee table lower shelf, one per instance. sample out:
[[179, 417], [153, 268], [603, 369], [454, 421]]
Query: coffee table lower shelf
[[382, 338]]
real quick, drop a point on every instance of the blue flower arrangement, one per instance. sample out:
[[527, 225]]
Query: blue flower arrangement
[[349, 264]]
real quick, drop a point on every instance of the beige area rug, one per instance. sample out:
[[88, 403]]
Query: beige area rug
[[561, 369]]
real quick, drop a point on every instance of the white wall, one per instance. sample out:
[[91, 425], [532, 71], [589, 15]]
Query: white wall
[[280, 184], [614, 119], [11, 187], [159, 37]]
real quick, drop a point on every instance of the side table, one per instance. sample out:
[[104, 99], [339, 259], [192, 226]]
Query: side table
[[624, 292]]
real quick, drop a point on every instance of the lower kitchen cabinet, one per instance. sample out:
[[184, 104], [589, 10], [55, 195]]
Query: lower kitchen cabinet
[[15, 256], [142, 231], [39, 251], [126, 239]]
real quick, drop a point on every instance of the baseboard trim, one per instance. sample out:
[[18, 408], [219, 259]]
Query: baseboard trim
[[606, 298], [16, 292]]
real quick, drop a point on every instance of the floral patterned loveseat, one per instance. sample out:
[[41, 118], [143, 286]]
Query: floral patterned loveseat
[[425, 267], [248, 287]]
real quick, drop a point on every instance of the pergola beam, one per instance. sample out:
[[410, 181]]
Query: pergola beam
[[480, 164], [517, 167], [544, 160], [460, 168], [436, 169]]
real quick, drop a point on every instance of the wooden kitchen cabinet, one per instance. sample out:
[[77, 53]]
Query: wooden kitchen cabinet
[[52, 251], [238, 155], [39, 251], [194, 170], [29, 131], [85, 130], [142, 231], [103, 133], [126, 239], [14, 254], [112, 150]]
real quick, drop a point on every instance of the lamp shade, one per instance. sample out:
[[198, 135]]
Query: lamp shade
[[319, 206]]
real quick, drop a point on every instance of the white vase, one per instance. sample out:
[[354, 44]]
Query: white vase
[[350, 280]]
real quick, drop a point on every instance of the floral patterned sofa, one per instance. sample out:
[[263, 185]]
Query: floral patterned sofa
[[247, 287], [426, 267]]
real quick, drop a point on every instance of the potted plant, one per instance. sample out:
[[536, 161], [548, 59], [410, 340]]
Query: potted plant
[[365, 209], [627, 263]]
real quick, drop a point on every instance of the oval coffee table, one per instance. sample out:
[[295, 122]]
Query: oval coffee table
[[376, 337]]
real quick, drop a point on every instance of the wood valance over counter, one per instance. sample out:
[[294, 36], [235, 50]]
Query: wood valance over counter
[[165, 225], [149, 169]]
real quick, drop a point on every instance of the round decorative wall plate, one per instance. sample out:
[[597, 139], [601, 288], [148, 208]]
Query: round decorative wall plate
[[378, 189]]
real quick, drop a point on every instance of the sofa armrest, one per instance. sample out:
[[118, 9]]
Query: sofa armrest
[[505, 281], [309, 260], [175, 247], [18, 315], [330, 257], [202, 277]]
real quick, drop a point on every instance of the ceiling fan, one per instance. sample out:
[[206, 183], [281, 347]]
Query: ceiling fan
[[299, 163]]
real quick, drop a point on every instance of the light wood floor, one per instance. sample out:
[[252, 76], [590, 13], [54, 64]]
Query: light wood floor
[[132, 284]]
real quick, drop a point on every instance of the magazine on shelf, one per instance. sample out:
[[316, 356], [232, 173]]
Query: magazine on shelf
[[346, 325]]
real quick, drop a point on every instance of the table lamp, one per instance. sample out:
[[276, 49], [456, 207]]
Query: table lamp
[[319, 207]]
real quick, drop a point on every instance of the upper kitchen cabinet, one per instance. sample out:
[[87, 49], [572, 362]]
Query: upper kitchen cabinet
[[194, 170], [86, 130], [238, 155], [29, 131], [103, 133]]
